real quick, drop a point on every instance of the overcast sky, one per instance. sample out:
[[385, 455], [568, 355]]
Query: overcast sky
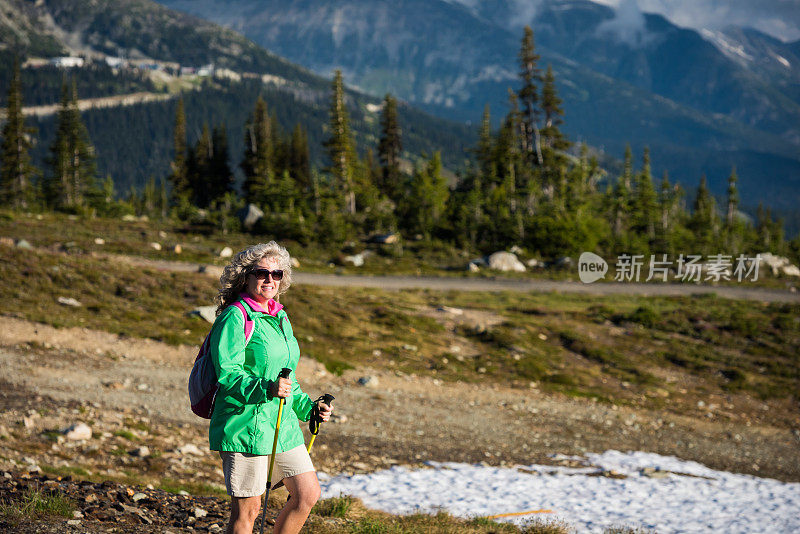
[[780, 18]]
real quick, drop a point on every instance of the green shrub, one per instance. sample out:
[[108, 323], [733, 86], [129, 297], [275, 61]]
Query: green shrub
[[334, 507]]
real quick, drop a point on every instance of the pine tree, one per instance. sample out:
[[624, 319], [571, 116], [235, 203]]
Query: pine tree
[[734, 228], [645, 201], [552, 137], [257, 161], [198, 168], [179, 172], [704, 221], [17, 172], [390, 147], [299, 158], [72, 156], [340, 146], [427, 198], [529, 97], [220, 177], [733, 199]]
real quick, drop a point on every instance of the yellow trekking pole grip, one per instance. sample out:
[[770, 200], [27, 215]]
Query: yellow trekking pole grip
[[283, 374]]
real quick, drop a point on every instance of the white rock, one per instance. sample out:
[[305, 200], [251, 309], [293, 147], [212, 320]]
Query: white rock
[[99, 241], [138, 497], [356, 259], [129, 218], [74, 522], [23, 244], [533, 262], [199, 512], [473, 267], [162, 234], [368, 381], [141, 452], [226, 252], [190, 448], [505, 261], [69, 301], [177, 249], [77, 514], [209, 313], [155, 246], [791, 270], [295, 263], [78, 431]]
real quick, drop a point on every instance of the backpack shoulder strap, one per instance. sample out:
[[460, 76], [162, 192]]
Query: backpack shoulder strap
[[248, 322]]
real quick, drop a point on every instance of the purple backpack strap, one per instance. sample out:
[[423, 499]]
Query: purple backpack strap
[[248, 323]]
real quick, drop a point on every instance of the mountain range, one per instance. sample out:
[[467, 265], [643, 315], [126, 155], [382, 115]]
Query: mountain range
[[134, 143], [703, 101]]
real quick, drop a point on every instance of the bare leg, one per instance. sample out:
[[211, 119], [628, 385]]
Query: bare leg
[[244, 512], [305, 491]]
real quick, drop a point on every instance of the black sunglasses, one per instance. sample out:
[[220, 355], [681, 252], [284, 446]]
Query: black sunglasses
[[263, 274]]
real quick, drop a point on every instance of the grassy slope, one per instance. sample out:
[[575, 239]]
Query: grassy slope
[[656, 352]]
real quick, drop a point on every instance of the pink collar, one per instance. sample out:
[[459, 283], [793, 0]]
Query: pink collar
[[273, 306]]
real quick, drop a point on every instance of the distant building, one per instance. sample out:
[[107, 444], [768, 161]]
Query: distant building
[[114, 62], [206, 70], [67, 62]]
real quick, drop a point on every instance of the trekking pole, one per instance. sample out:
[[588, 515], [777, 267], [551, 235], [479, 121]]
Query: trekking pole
[[283, 374], [315, 420]]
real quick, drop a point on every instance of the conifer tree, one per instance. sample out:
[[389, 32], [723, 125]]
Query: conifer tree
[[703, 222], [257, 161], [645, 201], [179, 172], [529, 97], [484, 153], [733, 199], [427, 198], [17, 172], [220, 177], [552, 137], [390, 147], [340, 146], [198, 167], [299, 158], [72, 156]]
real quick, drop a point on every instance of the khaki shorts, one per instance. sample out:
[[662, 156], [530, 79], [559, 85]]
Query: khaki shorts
[[246, 474]]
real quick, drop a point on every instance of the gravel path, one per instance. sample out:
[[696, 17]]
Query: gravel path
[[494, 284], [404, 420]]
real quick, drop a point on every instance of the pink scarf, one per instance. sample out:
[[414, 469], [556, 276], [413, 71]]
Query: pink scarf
[[273, 306]]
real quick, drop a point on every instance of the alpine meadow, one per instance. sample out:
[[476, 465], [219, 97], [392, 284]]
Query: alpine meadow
[[542, 260]]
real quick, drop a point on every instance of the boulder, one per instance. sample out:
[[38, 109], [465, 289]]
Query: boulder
[[506, 261], [23, 244], [69, 301], [141, 452], [6, 241], [99, 241], [356, 259], [383, 239], [534, 263], [177, 249], [249, 216], [209, 313], [368, 381], [226, 252], [78, 431], [791, 270], [190, 448], [155, 246]]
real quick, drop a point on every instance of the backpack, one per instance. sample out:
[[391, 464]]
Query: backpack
[[203, 383]]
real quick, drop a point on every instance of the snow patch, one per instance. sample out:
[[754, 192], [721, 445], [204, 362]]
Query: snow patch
[[647, 491], [783, 61]]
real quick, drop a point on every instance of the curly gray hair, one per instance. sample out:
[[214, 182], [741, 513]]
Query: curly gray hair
[[234, 277]]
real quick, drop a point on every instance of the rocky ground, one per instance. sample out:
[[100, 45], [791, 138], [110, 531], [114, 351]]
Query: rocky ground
[[131, 394]]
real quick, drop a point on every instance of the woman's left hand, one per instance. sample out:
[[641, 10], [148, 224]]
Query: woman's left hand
[[325, 411]]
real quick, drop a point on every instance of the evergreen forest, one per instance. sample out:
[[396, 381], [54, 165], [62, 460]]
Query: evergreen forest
[[526, 184]]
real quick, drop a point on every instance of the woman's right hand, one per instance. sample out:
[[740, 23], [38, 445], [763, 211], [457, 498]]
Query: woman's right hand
[[281, 388]]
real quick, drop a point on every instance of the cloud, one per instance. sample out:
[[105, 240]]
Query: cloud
[[628, 23], [780, 18]]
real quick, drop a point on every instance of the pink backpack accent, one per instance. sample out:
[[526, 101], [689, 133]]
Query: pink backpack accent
[[203, 384]]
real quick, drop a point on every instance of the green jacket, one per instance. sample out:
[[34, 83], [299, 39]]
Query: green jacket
[[244, 413]]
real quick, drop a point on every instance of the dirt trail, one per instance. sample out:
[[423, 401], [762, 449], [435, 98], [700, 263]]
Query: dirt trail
[[494, 284], [406, 419]]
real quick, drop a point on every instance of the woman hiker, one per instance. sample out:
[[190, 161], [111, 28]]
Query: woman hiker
[[245, 412]]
